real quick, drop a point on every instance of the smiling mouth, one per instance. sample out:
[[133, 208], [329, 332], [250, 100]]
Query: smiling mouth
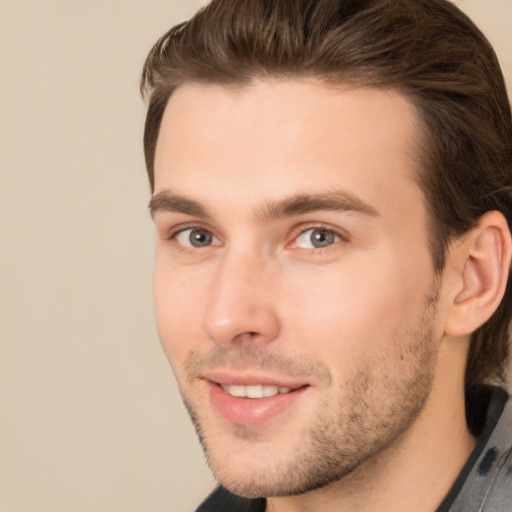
[[252, 401], [255, 391]]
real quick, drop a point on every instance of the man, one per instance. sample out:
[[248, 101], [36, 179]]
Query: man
[[332, 193]]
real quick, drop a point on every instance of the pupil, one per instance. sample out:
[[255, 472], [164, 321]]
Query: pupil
[[322, 238], [200, 238]]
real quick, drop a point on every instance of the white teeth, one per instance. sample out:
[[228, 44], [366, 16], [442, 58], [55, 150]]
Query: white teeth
[[258, 391], [269, 390], [254, 391], [237, 391]]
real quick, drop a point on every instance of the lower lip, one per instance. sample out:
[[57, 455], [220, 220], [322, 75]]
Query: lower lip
[[251, 411]]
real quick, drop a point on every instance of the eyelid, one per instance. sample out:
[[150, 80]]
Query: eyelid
[[187, 242], [320, 226], [194, 227], [169, 231]]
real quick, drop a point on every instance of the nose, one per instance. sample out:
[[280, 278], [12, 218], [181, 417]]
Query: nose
[[242, 307]]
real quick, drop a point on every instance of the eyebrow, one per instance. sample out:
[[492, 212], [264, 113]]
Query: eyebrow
[[339, 201], [168, 202]]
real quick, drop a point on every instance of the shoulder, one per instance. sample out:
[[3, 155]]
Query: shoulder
[[221, 500], [486, 485], [495, 464]]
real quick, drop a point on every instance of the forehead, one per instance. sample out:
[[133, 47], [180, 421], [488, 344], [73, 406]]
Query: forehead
[[280, 137]]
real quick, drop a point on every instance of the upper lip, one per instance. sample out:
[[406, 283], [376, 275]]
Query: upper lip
[[252, 379]]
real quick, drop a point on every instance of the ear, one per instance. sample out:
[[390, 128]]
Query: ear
[[480, 261]]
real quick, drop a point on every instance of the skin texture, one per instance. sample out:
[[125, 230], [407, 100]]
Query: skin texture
[[359, 321]]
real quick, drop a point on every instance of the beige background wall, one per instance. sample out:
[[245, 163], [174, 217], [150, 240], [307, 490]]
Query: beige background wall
[[90, 420]]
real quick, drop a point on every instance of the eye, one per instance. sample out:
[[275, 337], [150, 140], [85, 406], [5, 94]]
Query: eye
[[195, 237], [316, 238]]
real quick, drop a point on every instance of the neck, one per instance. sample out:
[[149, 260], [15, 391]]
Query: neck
[[415, 473]]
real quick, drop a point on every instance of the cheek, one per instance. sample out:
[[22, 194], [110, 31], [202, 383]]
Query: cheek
[[347, 314], [178, 298]]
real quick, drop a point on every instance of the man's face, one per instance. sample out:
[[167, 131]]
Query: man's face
[[294, 290]]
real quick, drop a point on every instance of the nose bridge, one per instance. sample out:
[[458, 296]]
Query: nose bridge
[[241, 305]]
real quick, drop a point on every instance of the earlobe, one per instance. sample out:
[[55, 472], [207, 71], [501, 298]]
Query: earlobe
[[483, 261]]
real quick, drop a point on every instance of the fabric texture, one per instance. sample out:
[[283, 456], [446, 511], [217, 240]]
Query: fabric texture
[[485, 482]]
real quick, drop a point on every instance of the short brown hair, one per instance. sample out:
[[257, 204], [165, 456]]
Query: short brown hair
[[426, 49]]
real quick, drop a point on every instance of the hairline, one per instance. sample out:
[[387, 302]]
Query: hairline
[[419, 144]]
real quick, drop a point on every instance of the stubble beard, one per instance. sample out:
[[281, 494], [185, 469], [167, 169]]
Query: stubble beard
[[381, 402]]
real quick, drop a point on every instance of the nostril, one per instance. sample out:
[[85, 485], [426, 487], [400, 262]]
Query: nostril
[[248, 336]]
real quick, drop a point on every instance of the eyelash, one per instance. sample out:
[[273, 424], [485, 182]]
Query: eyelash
[[339, 234], [296, 234], [174, 233], [193, 228]]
